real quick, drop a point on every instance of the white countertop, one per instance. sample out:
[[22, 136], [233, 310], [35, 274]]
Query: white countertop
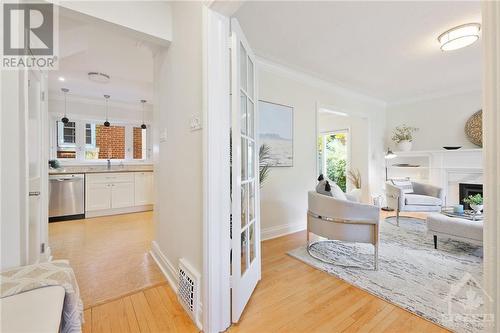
[[101, 169]]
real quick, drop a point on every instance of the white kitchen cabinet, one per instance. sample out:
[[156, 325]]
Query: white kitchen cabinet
[[118, 193], [122, 195], [98, 196], [143, 188]]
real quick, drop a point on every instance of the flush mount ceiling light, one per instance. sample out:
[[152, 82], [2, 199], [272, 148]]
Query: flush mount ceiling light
[[98, 77], [460, 36]]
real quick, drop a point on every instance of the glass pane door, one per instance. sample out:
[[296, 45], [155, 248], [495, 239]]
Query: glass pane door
[[245, 182]]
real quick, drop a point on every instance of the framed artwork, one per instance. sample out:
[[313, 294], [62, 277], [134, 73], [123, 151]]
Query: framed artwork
[[276, 131]]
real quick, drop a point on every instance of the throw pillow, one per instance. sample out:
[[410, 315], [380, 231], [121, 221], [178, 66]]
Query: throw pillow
[[337, 192], [322, 187], [404, 184]]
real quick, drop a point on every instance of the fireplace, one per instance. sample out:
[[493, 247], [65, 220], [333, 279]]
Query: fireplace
[[468, 189]]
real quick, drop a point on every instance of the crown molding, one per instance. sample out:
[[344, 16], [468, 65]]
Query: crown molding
[[435, 95], [300, 76]]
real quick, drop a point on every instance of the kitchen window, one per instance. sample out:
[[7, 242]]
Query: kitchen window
[[66, 139], [86, 141]]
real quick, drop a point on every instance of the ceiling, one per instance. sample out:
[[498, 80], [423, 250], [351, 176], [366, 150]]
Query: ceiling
[[386, 50], [86, 46]]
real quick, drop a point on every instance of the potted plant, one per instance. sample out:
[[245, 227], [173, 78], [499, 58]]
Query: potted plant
[[403, 137], [475, 202]]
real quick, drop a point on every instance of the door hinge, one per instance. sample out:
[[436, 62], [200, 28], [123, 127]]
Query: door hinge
[[42, 96], [230, 281], [42, 248]]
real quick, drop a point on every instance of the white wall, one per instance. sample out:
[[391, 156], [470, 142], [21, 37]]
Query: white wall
[[284, 195], [150, 17], [178, 159], [441, 120]]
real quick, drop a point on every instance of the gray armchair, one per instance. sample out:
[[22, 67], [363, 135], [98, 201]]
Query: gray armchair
[[424, 198], [343, 220]]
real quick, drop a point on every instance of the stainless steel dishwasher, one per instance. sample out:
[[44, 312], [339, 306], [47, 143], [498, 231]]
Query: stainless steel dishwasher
[[66, 197]]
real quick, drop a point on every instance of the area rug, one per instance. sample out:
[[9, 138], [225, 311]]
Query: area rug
[[443, 286]]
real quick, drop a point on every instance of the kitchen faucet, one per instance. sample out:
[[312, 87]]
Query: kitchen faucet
[[109, 164]]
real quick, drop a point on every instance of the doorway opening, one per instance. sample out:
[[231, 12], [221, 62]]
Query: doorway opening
[[99, 145], [333, 156]]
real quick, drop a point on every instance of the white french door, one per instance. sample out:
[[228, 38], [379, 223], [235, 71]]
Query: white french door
[[35, 155], [245, 265]]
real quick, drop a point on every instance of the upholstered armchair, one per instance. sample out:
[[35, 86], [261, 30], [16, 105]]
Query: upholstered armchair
[[419, 198], [343, 220]]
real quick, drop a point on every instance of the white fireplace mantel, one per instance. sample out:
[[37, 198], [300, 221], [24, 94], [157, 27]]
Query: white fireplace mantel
[[444, 168]]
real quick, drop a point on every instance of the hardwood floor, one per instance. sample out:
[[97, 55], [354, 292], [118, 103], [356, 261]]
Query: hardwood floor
[[152, 310], [295, 297], [109, 254], [291, 297]]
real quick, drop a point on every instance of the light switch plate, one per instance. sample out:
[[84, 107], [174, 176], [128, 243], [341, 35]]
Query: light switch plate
[[195, 122], [163, 135]]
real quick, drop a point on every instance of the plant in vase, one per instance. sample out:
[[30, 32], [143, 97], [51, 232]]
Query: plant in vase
[[354, 177], [475, 202], [403, 136]]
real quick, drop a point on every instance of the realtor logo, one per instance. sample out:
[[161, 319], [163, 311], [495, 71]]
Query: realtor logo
[[29, 36]]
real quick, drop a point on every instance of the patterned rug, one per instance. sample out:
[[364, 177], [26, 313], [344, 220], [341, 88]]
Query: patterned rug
[[443, 286]]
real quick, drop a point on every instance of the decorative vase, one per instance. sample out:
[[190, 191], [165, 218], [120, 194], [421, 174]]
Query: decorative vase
[[477, 208], [356, 193], [404, 145]]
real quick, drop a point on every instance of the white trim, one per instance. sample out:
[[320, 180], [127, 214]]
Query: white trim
[[165, 265], [314, 81], [281, 230], [171, 274], [436, 95], [115, 211], [216, 191]]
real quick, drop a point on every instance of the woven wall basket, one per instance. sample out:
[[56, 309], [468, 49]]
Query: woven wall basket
[[474, 128]]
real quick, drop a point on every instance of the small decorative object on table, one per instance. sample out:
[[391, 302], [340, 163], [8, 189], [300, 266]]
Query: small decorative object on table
[[403, 137], [475, 202]]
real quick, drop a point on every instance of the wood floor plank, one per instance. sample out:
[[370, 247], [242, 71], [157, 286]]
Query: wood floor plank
[[144, 315]]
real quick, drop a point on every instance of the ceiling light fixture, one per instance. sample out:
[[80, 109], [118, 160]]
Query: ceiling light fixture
[[61, 78], [65, 119], [459, 36], [143, 126], [106, 99], [98, 77]]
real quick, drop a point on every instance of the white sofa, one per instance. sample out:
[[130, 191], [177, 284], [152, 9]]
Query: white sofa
[[440, 225], [38, 310], [342, 220]]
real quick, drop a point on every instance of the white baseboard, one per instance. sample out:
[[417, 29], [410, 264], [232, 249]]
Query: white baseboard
[[281, 230], [115, 211], [166, 267], [170, 273]]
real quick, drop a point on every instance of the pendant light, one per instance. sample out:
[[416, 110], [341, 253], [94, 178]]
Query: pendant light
[[65, 119], [106, 99], [143, 126]]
